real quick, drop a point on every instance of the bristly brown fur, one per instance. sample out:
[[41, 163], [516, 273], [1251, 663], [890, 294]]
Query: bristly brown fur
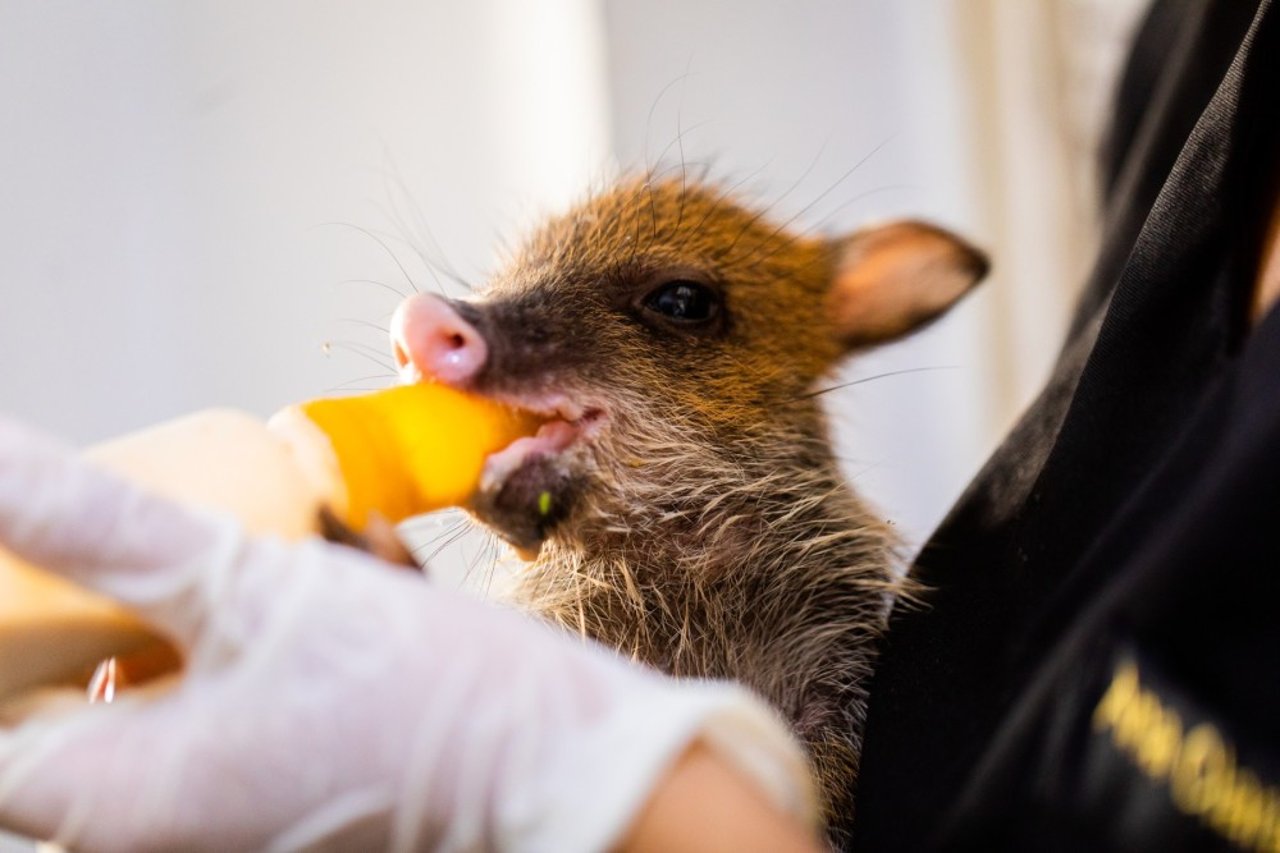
[[711, 534], [765, 572]]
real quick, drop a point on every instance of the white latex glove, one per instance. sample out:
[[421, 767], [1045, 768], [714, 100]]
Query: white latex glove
[[331, 701]]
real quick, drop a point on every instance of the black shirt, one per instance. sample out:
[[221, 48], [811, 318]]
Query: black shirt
[[1097, 665]]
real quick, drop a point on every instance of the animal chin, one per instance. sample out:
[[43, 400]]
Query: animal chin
[[527, 487]]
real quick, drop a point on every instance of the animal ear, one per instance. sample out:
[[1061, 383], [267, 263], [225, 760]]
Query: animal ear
[[896, 278]]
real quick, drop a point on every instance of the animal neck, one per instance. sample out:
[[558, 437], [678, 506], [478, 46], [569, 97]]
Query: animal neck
[[725, 588], [785, 591]]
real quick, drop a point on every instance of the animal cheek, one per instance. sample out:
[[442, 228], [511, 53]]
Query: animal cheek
[[537, 343]]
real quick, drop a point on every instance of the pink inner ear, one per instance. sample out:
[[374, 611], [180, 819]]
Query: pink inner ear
[[891, 280]]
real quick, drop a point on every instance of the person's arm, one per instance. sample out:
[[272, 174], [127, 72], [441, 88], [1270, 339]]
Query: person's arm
[[331, 701], [1266, 289], [705, 806]]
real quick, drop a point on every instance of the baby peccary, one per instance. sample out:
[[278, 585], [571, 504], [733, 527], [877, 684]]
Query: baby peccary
[[683, 505]]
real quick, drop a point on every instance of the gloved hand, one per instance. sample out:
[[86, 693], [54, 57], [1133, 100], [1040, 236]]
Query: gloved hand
[[330, 701]]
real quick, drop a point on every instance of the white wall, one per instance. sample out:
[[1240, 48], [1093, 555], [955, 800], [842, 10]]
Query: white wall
[[172, 175], [184, 184], [169, 172]]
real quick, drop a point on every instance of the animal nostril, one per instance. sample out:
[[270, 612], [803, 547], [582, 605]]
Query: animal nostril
[[427, 333], [455, 348]]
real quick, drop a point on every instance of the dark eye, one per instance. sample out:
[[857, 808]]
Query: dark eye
[[684, 302]]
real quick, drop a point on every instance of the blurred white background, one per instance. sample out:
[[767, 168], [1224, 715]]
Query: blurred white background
[[196, 197], [217, 202]]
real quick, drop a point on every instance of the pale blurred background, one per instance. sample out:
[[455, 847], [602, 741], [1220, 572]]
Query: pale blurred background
[[215, 202]]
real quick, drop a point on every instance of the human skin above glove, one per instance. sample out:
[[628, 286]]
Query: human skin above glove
[[330, 701]]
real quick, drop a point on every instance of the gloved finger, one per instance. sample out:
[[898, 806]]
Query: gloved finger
[[114, 777], [63, 771], [166, 562], [222, 762], [379, 538]]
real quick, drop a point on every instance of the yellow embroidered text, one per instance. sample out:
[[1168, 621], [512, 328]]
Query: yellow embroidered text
[[1198, 766]]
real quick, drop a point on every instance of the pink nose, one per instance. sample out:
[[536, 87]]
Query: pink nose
[[427, 333]]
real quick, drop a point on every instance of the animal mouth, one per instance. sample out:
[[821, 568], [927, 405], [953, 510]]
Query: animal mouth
[[530, 486], [565, 424]]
